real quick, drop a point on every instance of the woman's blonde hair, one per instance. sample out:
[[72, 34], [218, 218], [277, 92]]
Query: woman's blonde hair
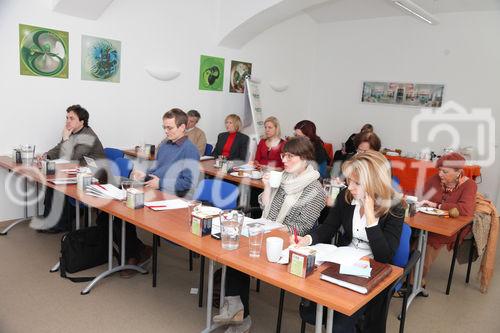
[[373, 172], [276, 123], [235, 119]]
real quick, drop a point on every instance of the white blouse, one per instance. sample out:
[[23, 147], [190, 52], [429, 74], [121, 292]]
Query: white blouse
[[359, 237]]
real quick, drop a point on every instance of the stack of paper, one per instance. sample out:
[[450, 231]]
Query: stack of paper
[[361, 268], [167, 204], [206, 157], [106, 191], [344, 255], [63, 181]]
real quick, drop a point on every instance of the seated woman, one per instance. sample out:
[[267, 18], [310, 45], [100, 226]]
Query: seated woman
[[348, 149], [445, 190], [366, 141], [308, 129], [269, 149], [232, 144], [296, 203], [369, 216]]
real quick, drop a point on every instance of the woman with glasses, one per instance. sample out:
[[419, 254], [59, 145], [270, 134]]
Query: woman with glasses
[[448, 189], [296, 203], [366, 141], [232, 144], [269, 149], [368, 216]]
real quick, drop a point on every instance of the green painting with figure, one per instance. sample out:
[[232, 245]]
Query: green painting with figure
[[43, 52], [211, 73]]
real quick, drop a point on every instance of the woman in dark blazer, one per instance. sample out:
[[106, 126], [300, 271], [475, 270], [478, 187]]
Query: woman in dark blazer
[[232, 144], [371, 216]]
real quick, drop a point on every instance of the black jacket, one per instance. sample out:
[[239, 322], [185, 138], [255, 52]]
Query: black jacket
[[383, 238], [239, 149]]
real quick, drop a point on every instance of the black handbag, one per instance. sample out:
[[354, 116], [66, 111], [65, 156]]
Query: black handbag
[[82, 249]]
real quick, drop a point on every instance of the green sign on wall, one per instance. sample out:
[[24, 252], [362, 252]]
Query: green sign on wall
[[211, 73], [43, 52]]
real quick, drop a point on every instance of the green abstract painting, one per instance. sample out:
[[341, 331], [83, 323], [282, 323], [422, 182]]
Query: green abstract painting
[[101, 59], [211, 73], [43, 52]]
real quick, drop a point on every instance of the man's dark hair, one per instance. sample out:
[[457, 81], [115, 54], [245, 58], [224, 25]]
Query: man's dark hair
[[80, 112], [180, 116], [194, 113]]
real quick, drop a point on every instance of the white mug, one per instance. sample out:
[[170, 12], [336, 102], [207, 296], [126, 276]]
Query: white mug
[[274, 246], [275, 178]]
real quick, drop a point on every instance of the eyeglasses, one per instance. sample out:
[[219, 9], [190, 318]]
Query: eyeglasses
[[168, 128], [359, 151], [288, 156]]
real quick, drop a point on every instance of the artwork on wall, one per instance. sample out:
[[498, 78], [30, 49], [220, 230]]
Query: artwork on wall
[[239, 70], [43, 52], [412, 94], [211, 73], [101, 58]]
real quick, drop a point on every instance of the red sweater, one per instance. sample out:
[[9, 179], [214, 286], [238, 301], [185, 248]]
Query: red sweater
[[271, 157], [463, 198]]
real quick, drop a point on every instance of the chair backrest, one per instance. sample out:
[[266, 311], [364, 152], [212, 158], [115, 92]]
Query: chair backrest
[[322, 169], [403, 252], [208, 149], [113, 153], [329, 150], [121, 167], [396, 184], [218, 193]]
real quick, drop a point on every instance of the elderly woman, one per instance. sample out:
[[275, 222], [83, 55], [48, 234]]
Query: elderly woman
[[296, 203], [232, 144], [448, 189], [269, 149], [369, 216]]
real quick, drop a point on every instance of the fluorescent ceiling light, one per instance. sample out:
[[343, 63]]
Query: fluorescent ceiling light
[[416, 10]]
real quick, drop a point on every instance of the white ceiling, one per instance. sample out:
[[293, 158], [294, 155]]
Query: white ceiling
[[346, 10]]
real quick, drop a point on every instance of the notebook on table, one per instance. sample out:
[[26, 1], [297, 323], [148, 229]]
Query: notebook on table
[[359, 284]]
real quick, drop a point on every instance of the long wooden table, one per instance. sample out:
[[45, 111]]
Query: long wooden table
[[173, 225], [141, 155], [439, 225], [207, 167]]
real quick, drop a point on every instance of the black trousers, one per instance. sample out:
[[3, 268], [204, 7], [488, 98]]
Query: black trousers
[[133, 245], [238, 284], [65, 221]]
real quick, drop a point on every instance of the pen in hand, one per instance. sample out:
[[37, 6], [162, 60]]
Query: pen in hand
[[295, 235]]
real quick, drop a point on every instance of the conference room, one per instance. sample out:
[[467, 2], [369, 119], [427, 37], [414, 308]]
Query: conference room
[[249, 166]]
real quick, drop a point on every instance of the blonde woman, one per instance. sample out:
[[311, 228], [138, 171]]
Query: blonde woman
[[269, 148], [369, 216], [232, 144]]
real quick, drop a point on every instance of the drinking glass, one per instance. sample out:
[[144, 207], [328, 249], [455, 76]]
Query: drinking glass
[[255, 235]]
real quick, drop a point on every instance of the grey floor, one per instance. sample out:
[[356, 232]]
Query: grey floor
[[33, 300]]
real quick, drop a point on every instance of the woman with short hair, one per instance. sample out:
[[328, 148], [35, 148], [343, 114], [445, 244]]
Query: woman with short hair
[[232, 144], [296, 203]]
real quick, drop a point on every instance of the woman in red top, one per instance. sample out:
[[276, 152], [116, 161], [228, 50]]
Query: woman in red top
[[232, 144], [269, 149], [446, 190]]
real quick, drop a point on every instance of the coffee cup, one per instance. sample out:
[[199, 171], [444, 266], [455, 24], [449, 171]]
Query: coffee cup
[[274, 246], [275, 178]]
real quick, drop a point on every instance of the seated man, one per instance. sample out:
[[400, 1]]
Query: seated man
[[175, 171], [195, 134], [78, 140]]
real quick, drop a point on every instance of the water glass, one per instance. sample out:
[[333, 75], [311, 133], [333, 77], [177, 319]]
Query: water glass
[[231, 222], [255, 235]]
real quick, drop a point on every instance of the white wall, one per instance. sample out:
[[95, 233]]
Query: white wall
[[165, 33], [460, 52]]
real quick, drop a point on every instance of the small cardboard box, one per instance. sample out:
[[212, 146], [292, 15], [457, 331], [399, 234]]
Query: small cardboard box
[[135, 198], [201, 224], [83, 180], [301, 261]]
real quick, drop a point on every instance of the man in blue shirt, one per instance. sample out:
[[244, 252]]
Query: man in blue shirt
[[176, 168], [176, 171]]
